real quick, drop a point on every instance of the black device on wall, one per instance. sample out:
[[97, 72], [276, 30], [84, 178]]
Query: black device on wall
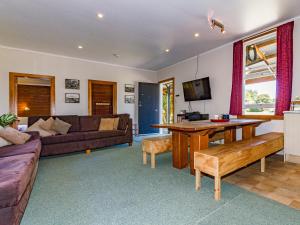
[[197, 90]]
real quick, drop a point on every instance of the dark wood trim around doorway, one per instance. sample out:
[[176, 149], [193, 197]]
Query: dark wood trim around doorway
[[13, 90], [115, 100]]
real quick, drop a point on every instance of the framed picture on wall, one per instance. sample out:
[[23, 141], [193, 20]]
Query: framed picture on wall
[[72, 84], [129, 99], [129, 88], [72, 98]]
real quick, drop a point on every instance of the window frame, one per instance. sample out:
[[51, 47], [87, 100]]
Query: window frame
[[246, 42]]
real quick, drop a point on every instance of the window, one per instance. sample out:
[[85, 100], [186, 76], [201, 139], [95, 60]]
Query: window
[[260, 60]]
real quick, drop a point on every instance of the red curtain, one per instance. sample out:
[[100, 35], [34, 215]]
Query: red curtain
[[284, 76], [236, 102]]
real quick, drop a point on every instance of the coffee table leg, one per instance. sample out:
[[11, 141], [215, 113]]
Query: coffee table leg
[[198, 141], [180, 150]]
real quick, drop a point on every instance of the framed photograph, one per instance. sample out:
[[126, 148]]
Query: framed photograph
[[72, 84], [72, 98], [129, 99], [129, 88]]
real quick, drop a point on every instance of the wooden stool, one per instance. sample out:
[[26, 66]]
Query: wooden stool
[[156, 145]]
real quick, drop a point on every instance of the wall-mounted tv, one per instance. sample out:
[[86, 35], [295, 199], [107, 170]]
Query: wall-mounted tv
[[197, 90]]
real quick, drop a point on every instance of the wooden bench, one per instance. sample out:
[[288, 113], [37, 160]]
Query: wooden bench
[[154, 146], [221, 160]]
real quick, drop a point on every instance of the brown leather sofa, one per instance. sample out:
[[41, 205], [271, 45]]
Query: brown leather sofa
[[18, 168], [84, 134]]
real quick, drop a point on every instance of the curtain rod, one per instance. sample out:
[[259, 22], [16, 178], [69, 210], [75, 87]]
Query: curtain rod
[[269, 31]]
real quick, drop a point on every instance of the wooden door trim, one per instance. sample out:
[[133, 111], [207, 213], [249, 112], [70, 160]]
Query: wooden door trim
[[13, 90], [115, 100], [173, 94]]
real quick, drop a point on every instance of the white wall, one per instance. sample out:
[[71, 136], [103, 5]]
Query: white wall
[[22, 61], [217, 64]]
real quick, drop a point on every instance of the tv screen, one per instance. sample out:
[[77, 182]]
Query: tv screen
[[196, 90]]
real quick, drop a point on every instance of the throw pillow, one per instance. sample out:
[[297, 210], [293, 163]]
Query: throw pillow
[[116, 123], [14, 136], [4, 142], [36, 127], [106, 124], [60, 126], [47, 125]]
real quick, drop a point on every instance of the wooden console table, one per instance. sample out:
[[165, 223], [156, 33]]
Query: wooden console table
[[197, 135]]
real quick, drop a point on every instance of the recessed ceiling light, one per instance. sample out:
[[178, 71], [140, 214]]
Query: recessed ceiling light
[[196, 35], [80, 46], [167, 50], [100, 15]]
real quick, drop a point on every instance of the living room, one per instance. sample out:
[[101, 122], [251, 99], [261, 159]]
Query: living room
[[69, 70]]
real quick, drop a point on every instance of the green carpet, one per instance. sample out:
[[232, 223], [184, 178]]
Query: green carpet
[[112, 187]]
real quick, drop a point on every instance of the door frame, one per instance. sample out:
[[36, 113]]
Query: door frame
[[173, 94], [115, 100], [13, 76]]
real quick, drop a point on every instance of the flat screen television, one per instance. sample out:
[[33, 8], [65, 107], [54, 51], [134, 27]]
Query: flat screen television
[[197, 90]]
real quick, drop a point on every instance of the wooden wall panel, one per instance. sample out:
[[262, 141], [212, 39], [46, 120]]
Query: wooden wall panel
[[36, 98]]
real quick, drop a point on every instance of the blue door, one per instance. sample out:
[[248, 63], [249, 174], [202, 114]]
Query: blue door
[[148, 107]]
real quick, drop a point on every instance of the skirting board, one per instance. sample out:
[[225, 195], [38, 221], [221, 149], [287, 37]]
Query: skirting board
[[292, 158]]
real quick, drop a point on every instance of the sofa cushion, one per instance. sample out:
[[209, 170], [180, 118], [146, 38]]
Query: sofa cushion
[[14, 136], [106, 124], [80, 136], [32, 146], [92, 135], [15, 175], [89, 123], [47, 125], [60, 126], [63, 138], [4, 142], [36, 127], [73, 120]]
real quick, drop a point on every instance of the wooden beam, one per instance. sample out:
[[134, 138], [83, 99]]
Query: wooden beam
[[254, 71], [263, 57], [267, 43], [271, 56], [260, 80]]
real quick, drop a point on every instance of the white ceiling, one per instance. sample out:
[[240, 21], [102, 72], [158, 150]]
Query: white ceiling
[[138, 30]]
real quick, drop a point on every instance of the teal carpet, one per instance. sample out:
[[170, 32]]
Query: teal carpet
[[112, 187]]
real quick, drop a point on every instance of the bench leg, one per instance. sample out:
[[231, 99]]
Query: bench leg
[[217, 188], [198, 180], [152, 160], [263, 165], [145, 158]]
